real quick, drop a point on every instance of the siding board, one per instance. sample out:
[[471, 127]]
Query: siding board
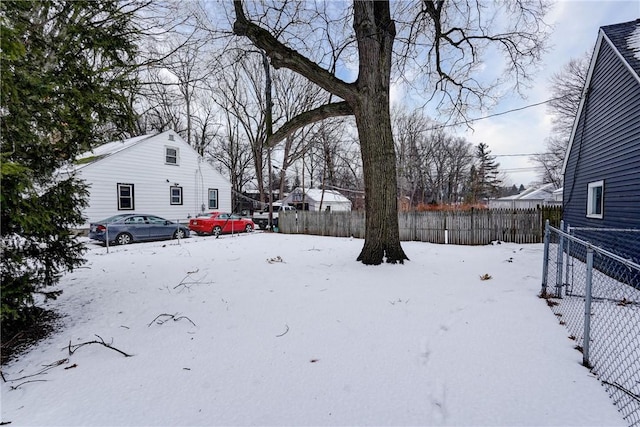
[[606, 146]]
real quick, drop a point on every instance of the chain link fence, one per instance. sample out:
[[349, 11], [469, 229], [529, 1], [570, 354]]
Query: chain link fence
[[595, 293]]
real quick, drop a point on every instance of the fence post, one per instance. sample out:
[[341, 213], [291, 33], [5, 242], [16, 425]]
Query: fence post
[[106, 236], [560, 262], [568, 282], [545, 261], [587, 309]]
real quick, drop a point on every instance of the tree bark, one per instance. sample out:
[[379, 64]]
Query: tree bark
[[375, 32]]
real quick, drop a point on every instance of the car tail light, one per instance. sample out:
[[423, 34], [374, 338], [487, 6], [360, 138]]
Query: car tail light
[[101, 228]]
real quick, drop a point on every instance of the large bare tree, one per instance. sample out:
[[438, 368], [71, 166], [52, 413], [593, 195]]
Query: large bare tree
[[446, 37], [566, 89]]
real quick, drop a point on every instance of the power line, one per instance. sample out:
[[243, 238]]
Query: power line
[[513, 110], [518, 155]]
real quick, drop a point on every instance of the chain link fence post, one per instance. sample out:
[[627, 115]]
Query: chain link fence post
[[560, 262], [545, 260], [600, 305], [587, 309], [106, 236], [568, 267]]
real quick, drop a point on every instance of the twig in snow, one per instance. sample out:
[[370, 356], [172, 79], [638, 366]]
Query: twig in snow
[[15, 387], [287, 330], [173, 317], [73, 348], [185, 284], [274, 260], [631, 394], [40, 372]]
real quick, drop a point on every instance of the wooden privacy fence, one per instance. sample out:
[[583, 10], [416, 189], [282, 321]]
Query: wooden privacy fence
[[474, 227]]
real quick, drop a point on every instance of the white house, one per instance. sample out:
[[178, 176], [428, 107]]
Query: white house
[[316, 199], [529, 198], [158, 174]]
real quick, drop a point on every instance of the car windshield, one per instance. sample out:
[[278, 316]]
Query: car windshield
[[156, 220], [113, 218]]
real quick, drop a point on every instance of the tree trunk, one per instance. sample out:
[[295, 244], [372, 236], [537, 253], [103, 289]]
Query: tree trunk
[[368, 100], [382, 238], [375, 32]]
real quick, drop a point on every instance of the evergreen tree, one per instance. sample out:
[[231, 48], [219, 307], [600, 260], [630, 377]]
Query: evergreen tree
[[65, 77], [487, 182]]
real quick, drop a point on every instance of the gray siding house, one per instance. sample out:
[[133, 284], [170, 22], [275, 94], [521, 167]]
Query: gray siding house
[[602, 164]]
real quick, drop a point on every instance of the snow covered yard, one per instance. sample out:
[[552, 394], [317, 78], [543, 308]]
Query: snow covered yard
[[273, 329]]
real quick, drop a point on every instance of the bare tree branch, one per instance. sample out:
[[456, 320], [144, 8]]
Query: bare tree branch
[[337, 109], [284, 57]]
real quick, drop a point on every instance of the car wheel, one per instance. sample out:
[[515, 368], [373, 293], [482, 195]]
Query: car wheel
[[179, 234], [123, 239], [248, 228], [217, 230]]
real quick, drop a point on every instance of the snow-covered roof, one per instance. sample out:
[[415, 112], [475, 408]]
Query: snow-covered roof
[[102, 151], [625, 37], [534, 193], [330, 196], [112, 147], [633, 42]]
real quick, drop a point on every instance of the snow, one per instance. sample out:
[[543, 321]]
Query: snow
[[274, 329], [633, 42]]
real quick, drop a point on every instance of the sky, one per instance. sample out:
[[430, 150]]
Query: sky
[[275, 329], [576, 25]]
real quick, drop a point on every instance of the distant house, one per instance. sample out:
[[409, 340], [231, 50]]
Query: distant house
[[315, 199], [602, 166], [530, 198], [158, 174]]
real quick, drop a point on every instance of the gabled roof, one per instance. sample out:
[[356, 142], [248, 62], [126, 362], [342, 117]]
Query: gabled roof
[[111, 148], [329, 195], [108, 149], [540, 193], [624, 39]]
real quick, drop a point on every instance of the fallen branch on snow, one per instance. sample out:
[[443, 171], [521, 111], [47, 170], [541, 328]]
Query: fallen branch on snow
[[40, 372], [173, 317], [187, 284], [73, 348]]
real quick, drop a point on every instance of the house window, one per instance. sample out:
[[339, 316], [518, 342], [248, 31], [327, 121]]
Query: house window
[[175, 195], [213, 198], [125, 197], [171, 156], [595, 199]]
